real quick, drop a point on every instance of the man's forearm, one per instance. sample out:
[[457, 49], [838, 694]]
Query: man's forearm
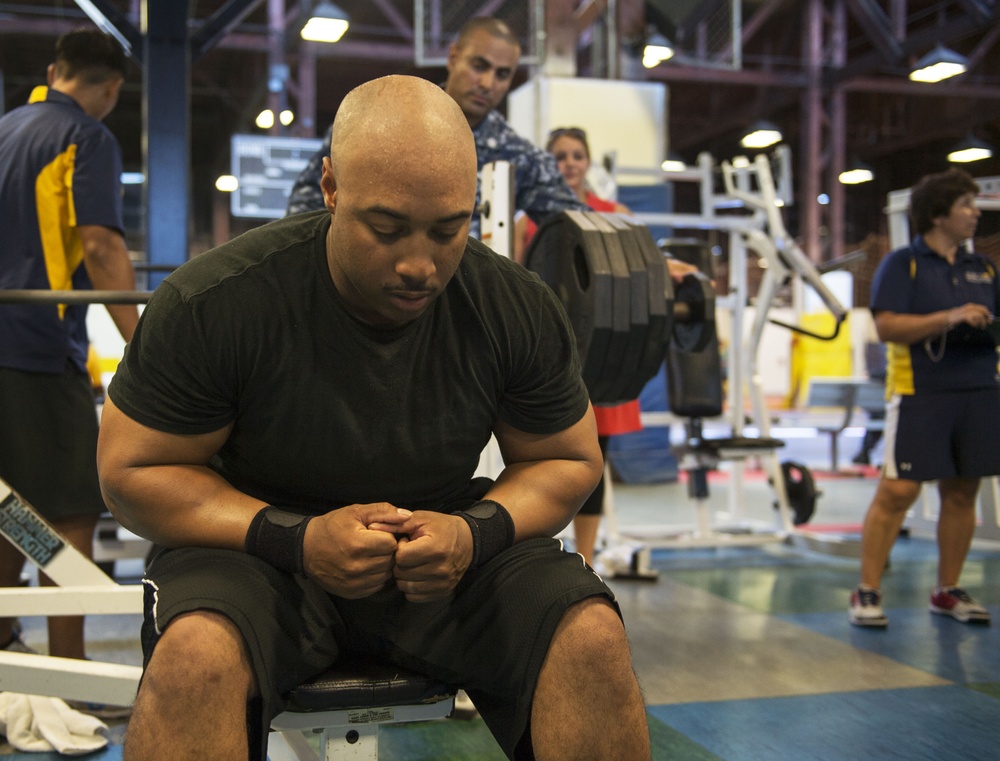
[[181, 506], [542, 497]]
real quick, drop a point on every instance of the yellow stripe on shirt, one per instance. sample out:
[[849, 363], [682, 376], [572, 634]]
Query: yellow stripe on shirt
[[57, 221], [899, 370]]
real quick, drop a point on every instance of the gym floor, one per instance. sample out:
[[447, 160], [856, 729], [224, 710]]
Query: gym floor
[[745, 653]]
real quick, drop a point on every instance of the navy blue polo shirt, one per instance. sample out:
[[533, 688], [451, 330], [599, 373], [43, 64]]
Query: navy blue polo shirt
[[916, 280], [59, 169]]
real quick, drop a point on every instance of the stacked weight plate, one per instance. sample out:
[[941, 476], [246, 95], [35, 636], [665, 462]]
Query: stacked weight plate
[[612, 279]]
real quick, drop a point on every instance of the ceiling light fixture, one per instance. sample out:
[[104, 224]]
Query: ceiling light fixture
[[673, 163], [940, 63], [227, 183], [327, 23], [856, 173], [265, 119], [658, 49], [970, 149], [761, 135]]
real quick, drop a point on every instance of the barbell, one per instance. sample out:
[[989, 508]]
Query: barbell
[[625, 309]]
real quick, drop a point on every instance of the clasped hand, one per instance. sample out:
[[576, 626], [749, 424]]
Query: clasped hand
[[355, 551], [976, 315]]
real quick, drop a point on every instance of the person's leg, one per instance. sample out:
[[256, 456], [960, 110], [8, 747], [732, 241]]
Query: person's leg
[[885, 516], [192, 703], [66, 632], [587, 702], [956, 526], [585, 528], [588, 520]]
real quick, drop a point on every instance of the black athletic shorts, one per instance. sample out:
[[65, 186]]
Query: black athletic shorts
[[943, 434], [489, 638], [48, 441]]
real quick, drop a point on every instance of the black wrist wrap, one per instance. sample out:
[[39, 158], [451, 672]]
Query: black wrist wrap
[[492, 530], [276, 536]]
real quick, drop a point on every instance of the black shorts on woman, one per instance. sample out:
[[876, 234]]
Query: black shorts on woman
[[489, 637]]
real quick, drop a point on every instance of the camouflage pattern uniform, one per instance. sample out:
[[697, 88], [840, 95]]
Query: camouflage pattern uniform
[[541, 189]]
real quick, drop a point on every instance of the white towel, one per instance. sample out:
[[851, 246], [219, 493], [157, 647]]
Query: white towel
[[37, 723]]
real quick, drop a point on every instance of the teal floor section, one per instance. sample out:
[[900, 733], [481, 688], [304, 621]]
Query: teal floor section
[[924, 724]]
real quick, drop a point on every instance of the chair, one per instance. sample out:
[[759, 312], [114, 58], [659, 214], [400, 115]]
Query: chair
[[348, 704]]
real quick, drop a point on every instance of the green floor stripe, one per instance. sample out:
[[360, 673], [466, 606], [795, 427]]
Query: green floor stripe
[[987, 688], [670, 744], [449, 740]]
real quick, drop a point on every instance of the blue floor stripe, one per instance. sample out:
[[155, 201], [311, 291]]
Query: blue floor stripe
[[962, 653], [929, 723]]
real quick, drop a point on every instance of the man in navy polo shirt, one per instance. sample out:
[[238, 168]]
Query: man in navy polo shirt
[[481, 66], [933, 302], [61, 216]]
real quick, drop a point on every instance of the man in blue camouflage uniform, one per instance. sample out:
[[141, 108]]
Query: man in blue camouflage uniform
[[481, 66]]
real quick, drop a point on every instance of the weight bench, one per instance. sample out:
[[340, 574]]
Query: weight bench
[[347, 704]]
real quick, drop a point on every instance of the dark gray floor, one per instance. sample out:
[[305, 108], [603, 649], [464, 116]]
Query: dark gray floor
[[745, 653]]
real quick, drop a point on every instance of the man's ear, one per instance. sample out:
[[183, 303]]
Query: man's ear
[[328, 185], [50, 74]]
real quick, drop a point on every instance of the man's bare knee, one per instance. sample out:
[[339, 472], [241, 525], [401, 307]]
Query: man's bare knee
[[592, 633], [200, 652]]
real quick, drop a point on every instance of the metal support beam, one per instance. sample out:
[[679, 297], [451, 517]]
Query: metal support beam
[[977, 8], [166, 116], [878, 28], [219, 24], [112, 21], [811, 167], [916, 43]]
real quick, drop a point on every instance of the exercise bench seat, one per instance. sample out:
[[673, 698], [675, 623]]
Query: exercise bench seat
[[347, 704]]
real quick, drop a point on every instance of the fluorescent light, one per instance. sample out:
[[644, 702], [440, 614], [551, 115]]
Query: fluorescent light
[[673, 165], [855, 176], [658, 49], [327, 24], [265, 119], [970, 149], [226, 183], [856, 173], [761, 135], [940, 63], [133, 178]]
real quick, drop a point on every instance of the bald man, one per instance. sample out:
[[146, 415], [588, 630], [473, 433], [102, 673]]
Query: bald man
[[298, 419]]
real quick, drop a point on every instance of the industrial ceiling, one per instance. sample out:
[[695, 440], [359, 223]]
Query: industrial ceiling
[[832, 74]]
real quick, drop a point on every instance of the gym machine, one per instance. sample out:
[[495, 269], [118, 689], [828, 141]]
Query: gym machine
[[623, 337]]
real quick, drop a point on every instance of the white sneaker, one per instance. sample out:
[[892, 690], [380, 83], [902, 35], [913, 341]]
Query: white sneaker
[[866, 608], [956, 602]]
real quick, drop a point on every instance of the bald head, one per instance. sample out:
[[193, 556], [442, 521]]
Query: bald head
[[403, 119], [400, 186]]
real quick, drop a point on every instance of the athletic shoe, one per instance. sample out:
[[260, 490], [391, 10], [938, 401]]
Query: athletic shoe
[[956, 602], [866, 608], [100, 710]]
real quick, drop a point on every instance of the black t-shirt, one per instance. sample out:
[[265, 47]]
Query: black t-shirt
[[328, 410]]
